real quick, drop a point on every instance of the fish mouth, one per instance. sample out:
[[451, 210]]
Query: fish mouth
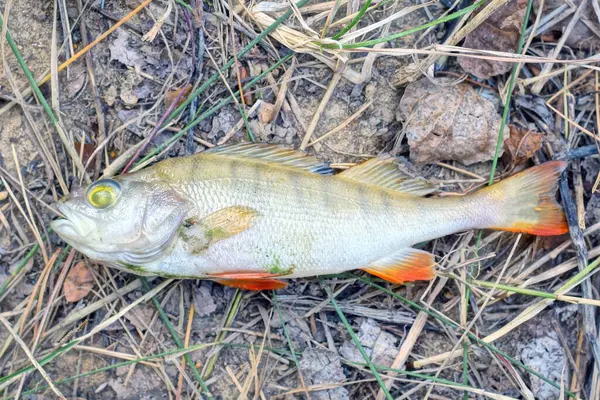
[[66, 227]]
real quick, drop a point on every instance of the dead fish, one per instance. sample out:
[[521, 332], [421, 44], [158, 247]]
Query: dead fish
[[250, 215]]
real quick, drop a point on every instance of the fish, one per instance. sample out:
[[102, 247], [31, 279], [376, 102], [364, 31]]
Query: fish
[[252, 216]]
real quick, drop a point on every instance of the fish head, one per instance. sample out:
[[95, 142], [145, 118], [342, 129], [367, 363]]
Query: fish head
[[122, 220]]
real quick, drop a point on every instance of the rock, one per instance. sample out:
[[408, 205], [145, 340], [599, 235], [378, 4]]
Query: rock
[[449, 123], [204, 304], [380, 345], [322, 367], [122, 51], [546, 356]]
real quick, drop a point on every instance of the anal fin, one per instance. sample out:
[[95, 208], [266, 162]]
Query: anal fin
[[249, 280], [404, 266]]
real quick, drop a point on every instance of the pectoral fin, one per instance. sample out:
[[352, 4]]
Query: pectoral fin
[[227, 222], [199, 234], [405, 266]]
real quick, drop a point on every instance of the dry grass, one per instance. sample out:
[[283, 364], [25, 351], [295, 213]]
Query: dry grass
[[493, 285]]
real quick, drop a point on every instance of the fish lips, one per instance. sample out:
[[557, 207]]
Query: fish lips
[[73, 227]]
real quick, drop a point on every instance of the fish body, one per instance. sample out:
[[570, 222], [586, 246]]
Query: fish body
[[249, 215]]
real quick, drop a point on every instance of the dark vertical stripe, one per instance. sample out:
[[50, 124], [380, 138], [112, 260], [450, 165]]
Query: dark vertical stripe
[[325, 198], [362, 198], [257, 173], [299, 194]]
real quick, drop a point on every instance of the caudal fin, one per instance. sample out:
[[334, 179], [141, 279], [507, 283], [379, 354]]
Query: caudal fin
[[526, 202]]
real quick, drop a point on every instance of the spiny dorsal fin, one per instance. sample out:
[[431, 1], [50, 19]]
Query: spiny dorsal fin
[[272, 153], [383, 172]]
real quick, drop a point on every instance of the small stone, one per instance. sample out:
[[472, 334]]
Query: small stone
[[204, 304], [321, 367], [546, 356], [110, 95]]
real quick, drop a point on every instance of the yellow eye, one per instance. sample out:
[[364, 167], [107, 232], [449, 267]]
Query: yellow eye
[[103, 193]]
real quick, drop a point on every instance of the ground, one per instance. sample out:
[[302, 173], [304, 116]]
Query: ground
[[442, 122]]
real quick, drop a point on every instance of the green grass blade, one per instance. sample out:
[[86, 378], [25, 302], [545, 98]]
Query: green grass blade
[[355, 20], [231, 61], [511, 85], [233, 310], [176, 338], [472, 336], [287, 336], [212, 110], [407, 32], [357, 341]]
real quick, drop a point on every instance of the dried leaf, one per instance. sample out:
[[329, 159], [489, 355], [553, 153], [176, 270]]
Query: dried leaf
[[76, 80], [523, 143], [449, 123], [203, 300], [78, 283], [499, 32], [172, 95], [88, 150], [247, 94], [141, 316], [122, 51]]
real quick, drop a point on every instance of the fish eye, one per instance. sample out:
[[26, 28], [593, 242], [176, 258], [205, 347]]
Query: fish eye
[[103, 193]]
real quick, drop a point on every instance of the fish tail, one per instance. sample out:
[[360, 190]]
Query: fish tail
[[526, 202]]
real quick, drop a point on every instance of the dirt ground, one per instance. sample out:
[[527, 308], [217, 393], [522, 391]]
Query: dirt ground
[[293, 344]]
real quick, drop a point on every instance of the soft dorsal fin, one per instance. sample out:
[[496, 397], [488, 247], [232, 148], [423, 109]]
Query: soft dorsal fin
[[272, 153], [383, 172]]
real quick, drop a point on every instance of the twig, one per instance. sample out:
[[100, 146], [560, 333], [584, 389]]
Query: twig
[[337, 75], [154, 131], [61, 133], [101, 135], [589, 318], [25, 349], [99, 39], [537, 88], [411, 338], [185, 344], [341, 126]]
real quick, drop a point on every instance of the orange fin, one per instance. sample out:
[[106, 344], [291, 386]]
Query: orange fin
[[253, 284], [405, 266], [526, 202]]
